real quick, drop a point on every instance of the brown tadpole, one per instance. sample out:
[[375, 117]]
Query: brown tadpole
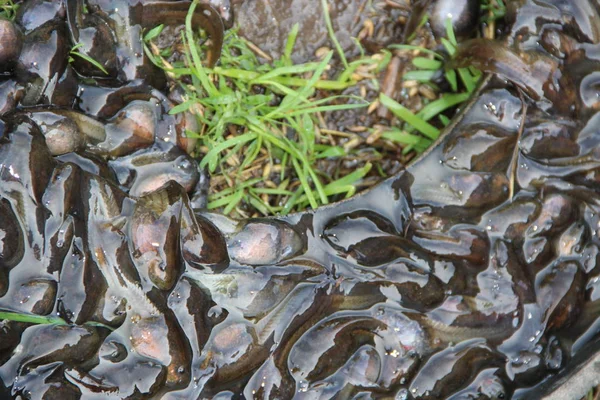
[[496, 57], [11, 42], [538, 75]]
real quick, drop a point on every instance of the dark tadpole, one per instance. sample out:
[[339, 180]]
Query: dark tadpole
[[11, 42], [149, 169]]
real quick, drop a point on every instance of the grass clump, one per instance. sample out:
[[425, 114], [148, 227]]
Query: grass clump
[[492, 10], [264, 133], [8, 9], [261, 123]]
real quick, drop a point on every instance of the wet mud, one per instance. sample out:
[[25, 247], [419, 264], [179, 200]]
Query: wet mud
[[473, 273]]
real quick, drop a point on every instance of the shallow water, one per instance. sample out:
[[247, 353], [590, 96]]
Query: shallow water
[[448, 280]]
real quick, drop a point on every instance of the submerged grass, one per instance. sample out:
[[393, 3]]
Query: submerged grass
[[42, 320], [75, 52]]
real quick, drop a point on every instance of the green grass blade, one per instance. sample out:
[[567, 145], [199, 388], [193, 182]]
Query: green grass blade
[[444, 120], [30, 318], [406, 115], [198, 67], [225, 145], [427, 63], [332, 36], [329, 151], [451, 78], [350, 178], [292, 201], [401, 137], [88, 59], [235, 200], [450, 48], [467, 79], [182, 107], [153, 33], [280, 192], [450, 31], [289, 44], [260, 205], [420, 76], [442, 104], [289, 70], [317, 183], [307, 189]]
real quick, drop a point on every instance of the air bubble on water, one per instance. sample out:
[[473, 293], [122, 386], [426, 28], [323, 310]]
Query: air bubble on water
[[402, 394], [302, 386]]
